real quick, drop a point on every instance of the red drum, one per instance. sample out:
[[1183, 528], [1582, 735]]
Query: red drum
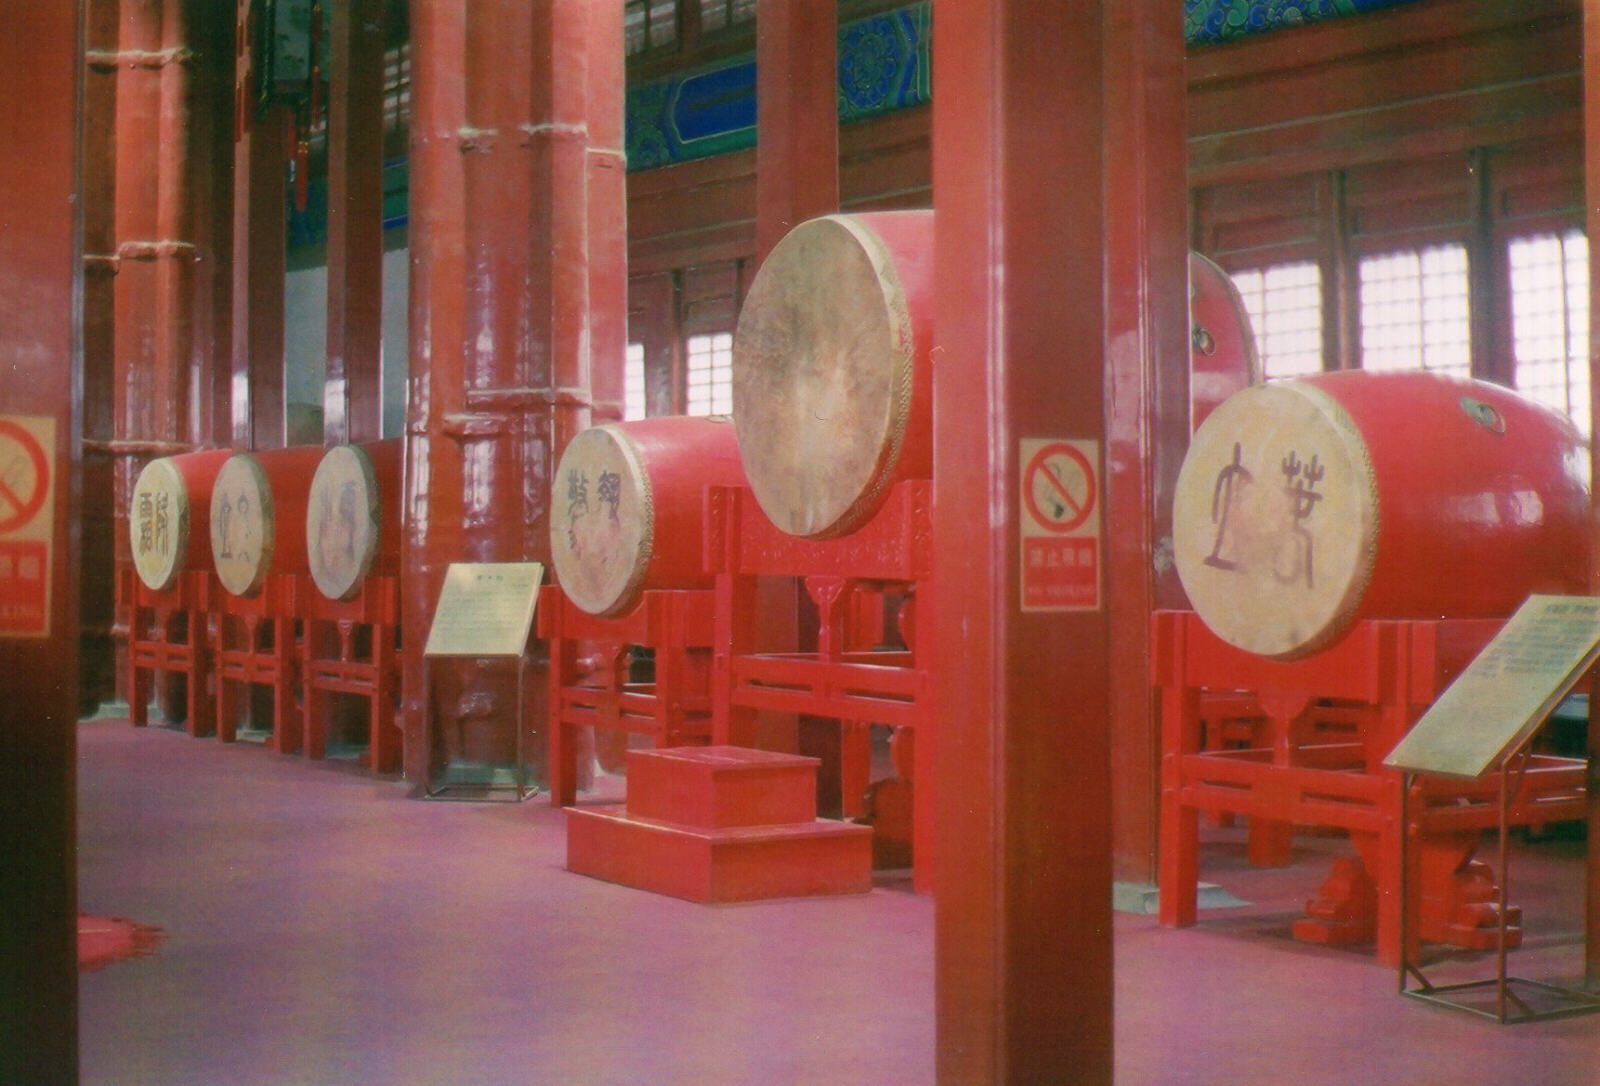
[[1305, 505], [258, 516], [170, 493], [626, 514], [832, 366], [353, 517], [1222, 348]]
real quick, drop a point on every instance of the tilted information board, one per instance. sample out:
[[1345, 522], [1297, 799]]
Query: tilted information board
[[1507, 691], [485, 609]]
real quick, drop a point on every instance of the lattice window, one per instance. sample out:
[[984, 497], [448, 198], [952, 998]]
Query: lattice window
[[1415, 313], [1550, 321], [716, 14], [397, 88], [1285, 306], [648, 24], [709, 381], [633, 400]]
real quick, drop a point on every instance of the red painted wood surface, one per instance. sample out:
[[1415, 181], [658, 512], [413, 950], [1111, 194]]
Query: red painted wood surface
[[352, 405], [1591, 158], [518, 302], [41, 68], [260, 241], [1023, 919], [276, 483], [1152, 393], [609, 546], [797, 119]]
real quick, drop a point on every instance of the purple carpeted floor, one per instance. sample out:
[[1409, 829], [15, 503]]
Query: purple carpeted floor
[[321, 927]]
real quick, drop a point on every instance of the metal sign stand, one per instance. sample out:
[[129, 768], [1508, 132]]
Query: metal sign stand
[[1515, 998], [489, 789]]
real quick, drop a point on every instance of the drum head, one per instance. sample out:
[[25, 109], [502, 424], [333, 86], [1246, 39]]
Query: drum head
[[242, 525], [343, 515], [822, 371], [158, 524], [602, 522], [1275, 520]]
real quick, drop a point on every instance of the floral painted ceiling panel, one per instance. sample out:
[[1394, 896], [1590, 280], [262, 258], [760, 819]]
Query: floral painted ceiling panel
[[1209, 21]]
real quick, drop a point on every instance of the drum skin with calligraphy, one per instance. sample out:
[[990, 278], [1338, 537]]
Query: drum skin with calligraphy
[[1305, 505], [258, 516], [626, 512], [353, 517], [833, 366], [170, 493]]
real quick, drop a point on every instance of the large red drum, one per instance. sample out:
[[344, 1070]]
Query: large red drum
[[353, 517], [258, 516], [627, 510], [1305, 505], [832, 366], [171, 493]]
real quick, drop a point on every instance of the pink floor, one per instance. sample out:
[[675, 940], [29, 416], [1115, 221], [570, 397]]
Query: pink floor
[[321, 927]]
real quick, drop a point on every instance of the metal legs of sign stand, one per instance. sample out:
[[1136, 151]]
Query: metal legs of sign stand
[[487, 790], [1510, 1008]]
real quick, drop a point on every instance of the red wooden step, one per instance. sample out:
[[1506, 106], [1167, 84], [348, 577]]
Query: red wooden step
[[731, 863], [718, 787]]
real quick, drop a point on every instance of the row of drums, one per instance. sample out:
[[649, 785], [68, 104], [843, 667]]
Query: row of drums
[[296, 511], [832, 407], [1302, 507]]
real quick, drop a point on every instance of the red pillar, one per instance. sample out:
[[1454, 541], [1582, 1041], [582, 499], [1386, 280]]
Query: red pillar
[[518, 321], [1147, 388], [1591, 158], [1023, 916], [41, 66], [260, 243], [352, 405], [797, 117]]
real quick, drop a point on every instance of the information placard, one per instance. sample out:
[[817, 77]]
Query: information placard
[[1507, 691], [485, 609]]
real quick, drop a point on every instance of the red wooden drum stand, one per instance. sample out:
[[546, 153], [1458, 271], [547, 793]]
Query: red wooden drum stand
[[1308, 769], [892, 551], [674, 710], [350, 647], [167, 636], [255, 645]]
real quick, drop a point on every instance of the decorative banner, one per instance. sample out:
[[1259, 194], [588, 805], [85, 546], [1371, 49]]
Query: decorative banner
[[1060, 533], [27, 485], [485, 609]]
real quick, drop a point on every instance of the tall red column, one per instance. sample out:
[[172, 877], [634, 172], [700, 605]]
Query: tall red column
[[1591, 158], [518, 319], [1147, 388], [352, 405], [41, 68], [797, 117], [1023, 919]]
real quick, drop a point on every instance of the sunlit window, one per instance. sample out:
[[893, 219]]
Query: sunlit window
[[1550, 321], [709, 383], [633, 402], [648, 24], [1285, 306], [1414, 311]]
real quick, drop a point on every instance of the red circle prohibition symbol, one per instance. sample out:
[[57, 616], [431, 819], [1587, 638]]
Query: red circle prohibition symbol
[[22, 509], [1074, 513]]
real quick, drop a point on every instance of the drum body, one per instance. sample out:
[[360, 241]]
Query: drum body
[[258, 516], [627, 510], [353, 517], [1222, 347], [170, 496], [1305, 505], [832, 366]]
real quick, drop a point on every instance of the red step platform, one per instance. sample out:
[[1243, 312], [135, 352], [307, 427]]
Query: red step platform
[[714, 824]]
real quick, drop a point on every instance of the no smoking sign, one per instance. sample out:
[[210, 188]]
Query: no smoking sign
[[27, 483], [1061, 496]]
